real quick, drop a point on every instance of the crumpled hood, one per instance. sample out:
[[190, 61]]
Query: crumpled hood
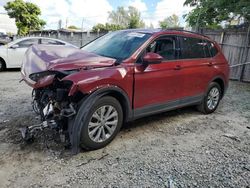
[[40, 58]]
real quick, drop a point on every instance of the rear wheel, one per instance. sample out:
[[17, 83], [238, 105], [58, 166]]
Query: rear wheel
[[101, 124], [2, 65], [212, 99]]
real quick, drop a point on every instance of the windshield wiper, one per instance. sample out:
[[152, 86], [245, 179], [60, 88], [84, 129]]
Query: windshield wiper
[[107, 56]]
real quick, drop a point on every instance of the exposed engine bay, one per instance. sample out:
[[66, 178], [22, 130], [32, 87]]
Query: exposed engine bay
[[64, 81], [53, 106]]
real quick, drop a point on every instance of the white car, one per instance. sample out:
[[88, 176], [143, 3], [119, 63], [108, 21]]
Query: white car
[[11, 54]]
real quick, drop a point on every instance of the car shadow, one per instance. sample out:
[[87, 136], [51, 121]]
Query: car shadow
[[12, 70], [50, 140]]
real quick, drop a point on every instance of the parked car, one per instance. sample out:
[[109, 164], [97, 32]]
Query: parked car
[[12, 53], [3, 42], [89, 93], [4, 39]]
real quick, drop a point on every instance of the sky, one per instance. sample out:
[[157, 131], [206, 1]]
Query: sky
[[91, 12]]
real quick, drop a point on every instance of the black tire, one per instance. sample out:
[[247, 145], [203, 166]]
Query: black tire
[[2, 65], [203, 107], [85, 116]]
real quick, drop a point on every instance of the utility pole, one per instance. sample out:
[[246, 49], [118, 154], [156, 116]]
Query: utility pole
[[82, 32], [66, 23], [60, 24]]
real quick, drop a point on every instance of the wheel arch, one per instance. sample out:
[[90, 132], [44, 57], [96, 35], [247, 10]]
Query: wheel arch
[[123, 101], [2, 60], [88, 100], [221, 82], [120, 95]]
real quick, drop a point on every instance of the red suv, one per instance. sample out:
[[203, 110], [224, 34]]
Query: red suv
[[89, 93]]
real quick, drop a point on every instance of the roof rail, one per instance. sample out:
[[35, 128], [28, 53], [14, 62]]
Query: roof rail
[[186, 31]]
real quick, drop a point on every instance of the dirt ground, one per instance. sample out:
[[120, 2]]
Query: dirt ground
[[181, 148]]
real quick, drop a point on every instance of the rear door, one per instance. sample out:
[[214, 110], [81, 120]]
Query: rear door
[[158, 84], [196, 66]]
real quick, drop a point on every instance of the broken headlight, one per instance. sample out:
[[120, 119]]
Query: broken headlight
[[60, 74], [36, 76]]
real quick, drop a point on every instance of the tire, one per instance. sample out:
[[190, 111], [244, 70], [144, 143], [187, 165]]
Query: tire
[[207, 107], [89, 137], [2, 65]]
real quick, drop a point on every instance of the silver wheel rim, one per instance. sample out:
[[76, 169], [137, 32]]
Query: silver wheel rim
[[103, 123], [213, 98]]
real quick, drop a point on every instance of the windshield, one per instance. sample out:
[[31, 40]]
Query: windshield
[[119, 45]]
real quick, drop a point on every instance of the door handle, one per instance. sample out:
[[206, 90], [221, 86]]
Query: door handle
[[210, 64], [177, 67]]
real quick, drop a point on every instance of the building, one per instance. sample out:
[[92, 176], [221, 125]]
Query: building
[[7, 24]]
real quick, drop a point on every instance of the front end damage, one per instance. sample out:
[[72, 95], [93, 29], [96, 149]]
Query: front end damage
[[54, 74], [53, 104]]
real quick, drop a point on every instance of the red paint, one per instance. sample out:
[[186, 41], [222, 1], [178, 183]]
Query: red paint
[[153, 84]]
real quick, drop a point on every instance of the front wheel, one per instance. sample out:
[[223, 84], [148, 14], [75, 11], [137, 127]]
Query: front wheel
[[2, 65], [211, 100], [101, 124]]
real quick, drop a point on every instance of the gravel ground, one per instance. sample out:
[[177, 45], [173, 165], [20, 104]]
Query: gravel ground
[[181, 148]]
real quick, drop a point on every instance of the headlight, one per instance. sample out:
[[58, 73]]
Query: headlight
[[36, 76], [60, 74]]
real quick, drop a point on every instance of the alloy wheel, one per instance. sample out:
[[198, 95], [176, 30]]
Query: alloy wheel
[[213, 98], [103, 123]]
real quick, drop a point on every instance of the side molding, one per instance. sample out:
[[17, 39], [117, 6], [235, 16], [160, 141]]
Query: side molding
[[171, 105]]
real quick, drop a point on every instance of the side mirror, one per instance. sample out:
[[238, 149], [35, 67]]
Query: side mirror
[[152, 58], [14, 46]]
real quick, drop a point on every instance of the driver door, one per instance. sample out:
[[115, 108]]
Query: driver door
[[16, 52], [157, 86]]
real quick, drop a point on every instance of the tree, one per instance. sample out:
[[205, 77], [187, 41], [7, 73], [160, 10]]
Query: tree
[[130, 18], [119, 17], [107, 27], [210, 13], [72, 27], [151, 26], [99, 28], [113, 27], [134, 18], [26, 16], [171, 21]]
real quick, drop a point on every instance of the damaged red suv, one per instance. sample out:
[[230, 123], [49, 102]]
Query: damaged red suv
[[89, 93]]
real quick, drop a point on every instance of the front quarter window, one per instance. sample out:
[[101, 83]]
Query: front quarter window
[[119, 45]]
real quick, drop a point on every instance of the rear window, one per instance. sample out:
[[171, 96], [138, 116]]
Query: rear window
[[192, 48], [27, 43], [51, 42]]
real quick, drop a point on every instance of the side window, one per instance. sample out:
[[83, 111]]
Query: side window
[[212, 48], [192, 48], [51, 42], [165, 46], [207, 48], [27, 43]]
